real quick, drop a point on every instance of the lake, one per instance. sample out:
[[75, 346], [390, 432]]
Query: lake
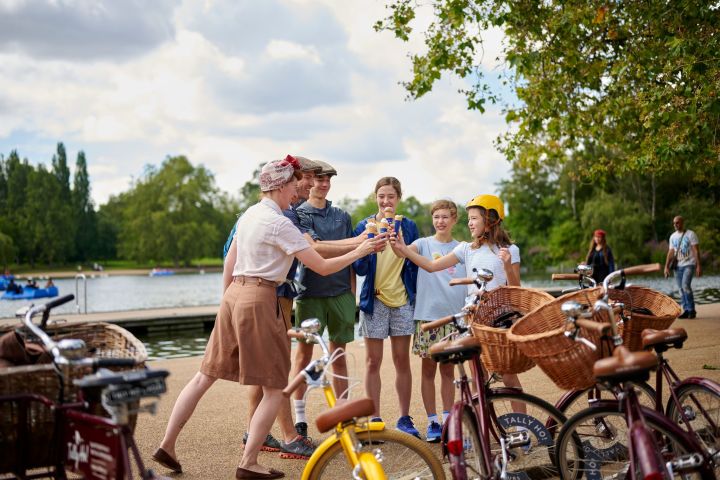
[[116, 293]]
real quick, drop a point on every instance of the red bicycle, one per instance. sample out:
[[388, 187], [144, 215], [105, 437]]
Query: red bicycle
[[496, 432], [82, 441]]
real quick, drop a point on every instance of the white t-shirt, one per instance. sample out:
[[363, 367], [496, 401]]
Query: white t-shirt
[[485, 257], [266, 242], [684, 250]]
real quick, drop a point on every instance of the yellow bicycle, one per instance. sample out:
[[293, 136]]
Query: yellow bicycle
[[364, 448]]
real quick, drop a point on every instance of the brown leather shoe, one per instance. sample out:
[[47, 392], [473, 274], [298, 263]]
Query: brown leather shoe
[[164, 459], [242, 473]]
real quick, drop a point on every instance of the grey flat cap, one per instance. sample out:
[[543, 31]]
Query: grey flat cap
[[326, 168], [307, 165]]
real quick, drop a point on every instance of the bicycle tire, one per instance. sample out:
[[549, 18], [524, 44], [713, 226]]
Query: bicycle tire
[[469, 462], [580, 399], [404, 456], [538, 459], [603, 433], [705, 421]]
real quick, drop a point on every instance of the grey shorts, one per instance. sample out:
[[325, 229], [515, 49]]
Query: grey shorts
[[387, 321]]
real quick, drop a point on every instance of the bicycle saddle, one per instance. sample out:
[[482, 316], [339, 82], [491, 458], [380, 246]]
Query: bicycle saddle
[[361, 407], [455, 351], [663, 340], [625, 365]]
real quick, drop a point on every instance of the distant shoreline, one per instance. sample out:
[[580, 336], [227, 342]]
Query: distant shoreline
[[113, 272]]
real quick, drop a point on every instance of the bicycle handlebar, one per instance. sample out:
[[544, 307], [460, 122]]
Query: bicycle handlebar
[[600, 327], [295, 333], [294, 384], [441, 321], [461, 281], [58, 301], [566, 276], [640, 269]]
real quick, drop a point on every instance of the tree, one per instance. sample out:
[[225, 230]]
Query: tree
[[170, 214], [61, 171], [618, 86], [83, 210]]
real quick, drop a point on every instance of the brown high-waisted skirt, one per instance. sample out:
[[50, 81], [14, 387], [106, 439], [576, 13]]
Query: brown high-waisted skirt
[[249, 343]]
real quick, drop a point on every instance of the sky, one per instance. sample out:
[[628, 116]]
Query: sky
[[234, 83]]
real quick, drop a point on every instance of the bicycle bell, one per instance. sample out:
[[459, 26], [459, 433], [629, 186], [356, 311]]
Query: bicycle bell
[[311, 325], [584, 270], [573, 309], [485, 274], [72, 348]]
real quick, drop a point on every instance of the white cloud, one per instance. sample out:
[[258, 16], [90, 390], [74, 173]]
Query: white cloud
[[284, 50], [231, 84]]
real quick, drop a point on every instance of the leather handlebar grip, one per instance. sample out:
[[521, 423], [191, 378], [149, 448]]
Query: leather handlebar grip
[[566, 276], [640, 269], [599, 327], [296, 382], [461, 281], [436, 323], [295, 333]]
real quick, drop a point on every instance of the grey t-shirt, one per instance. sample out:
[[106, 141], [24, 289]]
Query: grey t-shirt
[[329, 223], [435, 298]]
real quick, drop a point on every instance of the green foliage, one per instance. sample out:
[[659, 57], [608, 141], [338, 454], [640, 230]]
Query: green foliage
[[171, 214], [616, 87], [7, 250], [625, 221]]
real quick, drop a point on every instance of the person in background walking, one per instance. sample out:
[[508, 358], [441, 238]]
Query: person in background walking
[[437, 299], [684, 253], [600, 256]]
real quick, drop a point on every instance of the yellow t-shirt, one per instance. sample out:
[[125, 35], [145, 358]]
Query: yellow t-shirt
[[389, 288]]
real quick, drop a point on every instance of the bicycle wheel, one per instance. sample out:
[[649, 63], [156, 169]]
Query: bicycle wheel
[[464, 450], [582, 398], [512, 412], [701, 406], [404, 456], [603, 434]]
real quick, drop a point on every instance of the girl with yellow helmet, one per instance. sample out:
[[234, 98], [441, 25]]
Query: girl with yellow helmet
[[491, 248]]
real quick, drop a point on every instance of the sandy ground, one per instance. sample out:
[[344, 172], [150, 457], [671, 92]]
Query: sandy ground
[[209, 447]]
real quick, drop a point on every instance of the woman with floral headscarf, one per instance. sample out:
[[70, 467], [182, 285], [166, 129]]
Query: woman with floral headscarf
[[249, 326]]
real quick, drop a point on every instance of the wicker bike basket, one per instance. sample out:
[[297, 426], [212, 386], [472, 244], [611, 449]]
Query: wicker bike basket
[[649, 309], [36, 424], [541, 336], [499, 354]]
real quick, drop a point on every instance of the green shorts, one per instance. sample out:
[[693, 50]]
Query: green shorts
[[335, 313]]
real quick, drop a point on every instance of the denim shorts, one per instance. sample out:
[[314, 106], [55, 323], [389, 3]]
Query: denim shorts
[[387, 321]]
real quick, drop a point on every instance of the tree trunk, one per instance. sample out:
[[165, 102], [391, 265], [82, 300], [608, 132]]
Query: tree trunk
[[652, 207]]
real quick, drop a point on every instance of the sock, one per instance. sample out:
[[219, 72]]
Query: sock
[[445, 415], [432, 418], [299, 411]]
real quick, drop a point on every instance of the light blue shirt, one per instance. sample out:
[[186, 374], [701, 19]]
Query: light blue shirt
[[435, 298]]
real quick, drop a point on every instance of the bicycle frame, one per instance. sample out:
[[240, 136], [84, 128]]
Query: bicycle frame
[[345, 434], [84, 443], [454, 444]]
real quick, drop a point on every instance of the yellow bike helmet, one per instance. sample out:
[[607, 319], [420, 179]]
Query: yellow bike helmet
[[488, 202]]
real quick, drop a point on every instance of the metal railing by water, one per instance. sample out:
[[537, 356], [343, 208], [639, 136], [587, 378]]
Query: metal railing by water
[[77, 292]]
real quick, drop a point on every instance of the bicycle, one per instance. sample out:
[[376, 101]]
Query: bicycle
[[573, 401], [366, 449], [620, 437], [83, 442], [498, 432], [693, 403]]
